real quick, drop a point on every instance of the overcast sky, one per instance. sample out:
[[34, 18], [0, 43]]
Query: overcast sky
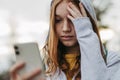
[[29, 9], [36, 10]]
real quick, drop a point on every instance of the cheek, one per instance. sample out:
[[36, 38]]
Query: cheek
[[57, 32], [73, 30], [58, 29]]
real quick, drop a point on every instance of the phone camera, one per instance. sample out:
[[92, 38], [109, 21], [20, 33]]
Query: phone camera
[[17, 52], [15, 47]]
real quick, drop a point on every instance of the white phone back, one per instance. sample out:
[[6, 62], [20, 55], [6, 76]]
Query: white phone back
[[28, 52]]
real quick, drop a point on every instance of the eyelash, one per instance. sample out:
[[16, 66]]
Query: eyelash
[[58, 20]]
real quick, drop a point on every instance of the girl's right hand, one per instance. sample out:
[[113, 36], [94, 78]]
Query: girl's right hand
[[27, 76], [75, 12]]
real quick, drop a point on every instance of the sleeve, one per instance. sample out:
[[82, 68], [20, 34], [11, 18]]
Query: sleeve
[[93, 66], [117, 75], [113, 65]]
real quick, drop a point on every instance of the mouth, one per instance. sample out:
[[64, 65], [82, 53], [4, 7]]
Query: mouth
[[67, 38]]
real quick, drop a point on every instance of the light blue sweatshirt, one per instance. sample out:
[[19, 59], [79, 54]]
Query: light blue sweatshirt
[[93, 66]]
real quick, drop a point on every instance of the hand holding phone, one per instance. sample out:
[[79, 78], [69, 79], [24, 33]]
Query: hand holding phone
[[30, 54]]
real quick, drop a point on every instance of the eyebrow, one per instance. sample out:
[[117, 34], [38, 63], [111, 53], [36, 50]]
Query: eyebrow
[[57, 15]]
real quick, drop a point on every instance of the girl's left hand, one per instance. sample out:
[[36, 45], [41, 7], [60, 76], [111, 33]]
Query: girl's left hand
[[75, 12]]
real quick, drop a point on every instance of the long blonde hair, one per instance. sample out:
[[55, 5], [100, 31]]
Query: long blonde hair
[[53, 47]]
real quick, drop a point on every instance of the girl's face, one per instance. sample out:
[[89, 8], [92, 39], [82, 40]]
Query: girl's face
[[64, 27]]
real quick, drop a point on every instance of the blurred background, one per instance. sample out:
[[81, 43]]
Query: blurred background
[[28, 21]]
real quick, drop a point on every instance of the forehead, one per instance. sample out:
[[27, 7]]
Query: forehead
[[61, 8]]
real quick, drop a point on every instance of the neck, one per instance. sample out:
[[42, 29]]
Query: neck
[[73, 49]]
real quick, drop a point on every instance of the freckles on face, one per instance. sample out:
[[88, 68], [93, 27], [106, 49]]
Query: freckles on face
[[63, 26]]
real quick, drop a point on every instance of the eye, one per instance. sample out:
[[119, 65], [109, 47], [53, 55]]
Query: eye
[[58, 20]]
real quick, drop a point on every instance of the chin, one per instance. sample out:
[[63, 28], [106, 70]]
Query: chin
[[67, 44]]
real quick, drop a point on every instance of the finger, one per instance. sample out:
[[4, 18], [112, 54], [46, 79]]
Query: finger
[[31, 74], [75, 9], [72, 13], [83, 10], [13, 71], [70, 17]]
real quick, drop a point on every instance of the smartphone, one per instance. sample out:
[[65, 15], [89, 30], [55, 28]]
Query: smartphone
[[30, 54]]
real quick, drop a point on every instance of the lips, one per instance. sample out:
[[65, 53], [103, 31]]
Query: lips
[[66, 38]]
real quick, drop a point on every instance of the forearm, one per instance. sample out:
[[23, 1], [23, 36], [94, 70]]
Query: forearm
[[93, 66]]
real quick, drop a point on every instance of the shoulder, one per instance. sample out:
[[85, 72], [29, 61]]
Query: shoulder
[[113, 58]]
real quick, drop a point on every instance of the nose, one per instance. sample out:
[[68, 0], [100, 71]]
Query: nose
[[66, 26]]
